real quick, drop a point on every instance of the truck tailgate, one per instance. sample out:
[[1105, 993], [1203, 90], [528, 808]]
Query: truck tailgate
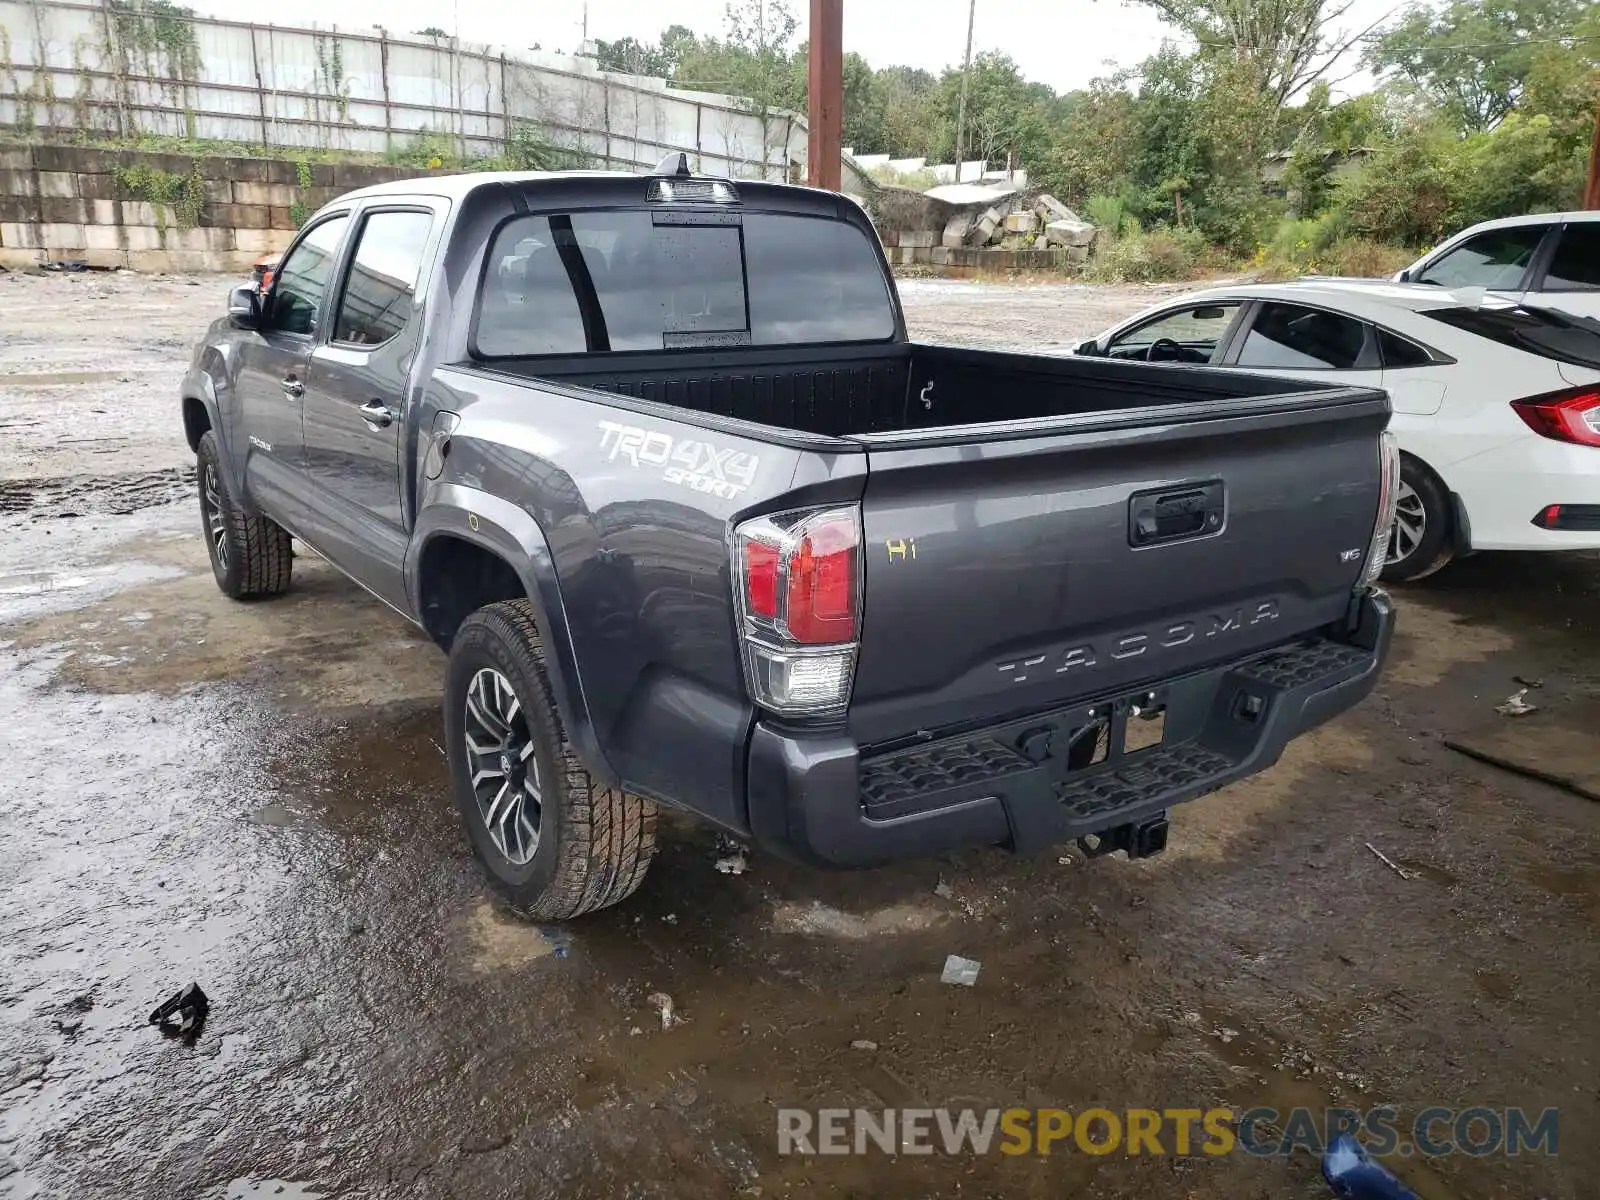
[[1009, 569]]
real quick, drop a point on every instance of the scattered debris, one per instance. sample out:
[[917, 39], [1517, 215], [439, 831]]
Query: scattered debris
[[1516, 704], [1389, 862], [1065, 860], [1528, 683], [635, 1031], [183, 1014], [669, 1015], [1225, 1035], [1352, 1174], [863, 1044], [670, 919], [944, 891], [733, 864], [962, 971]]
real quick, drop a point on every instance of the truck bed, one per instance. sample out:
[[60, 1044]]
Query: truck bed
[[841, 391]]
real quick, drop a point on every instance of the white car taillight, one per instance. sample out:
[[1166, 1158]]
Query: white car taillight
[[1571, 416], [797, 585], [1388, 494]]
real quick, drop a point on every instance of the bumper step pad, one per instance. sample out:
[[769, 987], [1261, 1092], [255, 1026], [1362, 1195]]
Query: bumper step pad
[[1210, 738]]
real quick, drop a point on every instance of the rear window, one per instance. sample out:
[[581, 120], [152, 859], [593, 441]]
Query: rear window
[[1291, 337], [1541, 331], [594, 282], [1399, 352], [1575, 266]]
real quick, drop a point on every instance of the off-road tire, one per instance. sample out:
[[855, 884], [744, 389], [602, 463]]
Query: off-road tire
[[595, 842], [258, 556], [1437, 545]]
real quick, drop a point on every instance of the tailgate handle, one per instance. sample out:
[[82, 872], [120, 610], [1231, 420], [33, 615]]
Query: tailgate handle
[[1173, 514]]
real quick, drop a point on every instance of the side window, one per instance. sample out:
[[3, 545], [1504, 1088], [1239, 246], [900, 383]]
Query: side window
[[528, 304], [380, 288], [1496, 259], [1576, 265], [1293, 338], [1398, 352], [303, 277], [1189, 335]]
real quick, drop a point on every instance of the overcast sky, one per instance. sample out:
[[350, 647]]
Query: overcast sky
[[1064, 43]]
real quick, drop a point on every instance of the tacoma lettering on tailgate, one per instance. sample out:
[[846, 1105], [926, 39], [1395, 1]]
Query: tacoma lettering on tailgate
[[1145, 641]]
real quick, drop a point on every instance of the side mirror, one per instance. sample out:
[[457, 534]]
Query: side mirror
[[1404, 276], [1089, 349], [244, 308]]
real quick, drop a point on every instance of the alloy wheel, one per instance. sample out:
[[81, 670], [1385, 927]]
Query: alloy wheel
[[1410, 523], [505, 771], [216, 522]]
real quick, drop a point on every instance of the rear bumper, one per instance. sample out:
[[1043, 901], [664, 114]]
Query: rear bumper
[[816, 799]]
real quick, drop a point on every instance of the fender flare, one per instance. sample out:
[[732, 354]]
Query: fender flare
[[500, 527], [201, 388]]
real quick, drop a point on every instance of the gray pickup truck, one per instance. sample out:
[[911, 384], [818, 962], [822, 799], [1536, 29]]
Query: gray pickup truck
[[654, 460]]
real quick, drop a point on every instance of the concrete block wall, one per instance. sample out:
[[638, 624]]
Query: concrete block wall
[[71, 202]]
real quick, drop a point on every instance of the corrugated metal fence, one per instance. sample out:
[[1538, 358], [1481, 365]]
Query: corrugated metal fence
[[122, 70]]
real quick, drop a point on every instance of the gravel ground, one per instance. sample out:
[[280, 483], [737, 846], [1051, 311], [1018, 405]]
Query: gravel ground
[[253, 796]]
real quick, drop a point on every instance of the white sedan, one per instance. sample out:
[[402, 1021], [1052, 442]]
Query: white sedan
[[1496, 405]]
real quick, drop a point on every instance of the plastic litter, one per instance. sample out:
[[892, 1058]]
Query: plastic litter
[[962, 971], [183, 1014], [1389, 862], [669, 1015], [944, 891], [1516, 705], [733, 864], [863, 1044], [1353, 1175]]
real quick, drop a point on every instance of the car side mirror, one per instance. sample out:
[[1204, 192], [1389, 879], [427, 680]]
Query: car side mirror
[[1089, 349], [244, 308], [1404, 276]]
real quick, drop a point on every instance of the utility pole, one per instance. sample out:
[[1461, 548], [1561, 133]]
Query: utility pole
[[1591, 192], [966, 70], [825, 102]]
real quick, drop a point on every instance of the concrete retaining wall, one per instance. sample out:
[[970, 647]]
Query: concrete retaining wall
[[71, 202]]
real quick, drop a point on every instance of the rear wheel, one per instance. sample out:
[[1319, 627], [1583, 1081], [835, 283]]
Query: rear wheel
[[556, 841], [251, 555], [1421, 541]]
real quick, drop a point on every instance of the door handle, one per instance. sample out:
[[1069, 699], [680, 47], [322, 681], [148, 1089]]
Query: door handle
[[292, 387], [376, 414]]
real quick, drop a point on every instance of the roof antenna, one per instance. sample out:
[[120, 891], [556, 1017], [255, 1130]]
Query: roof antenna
[[676, 163]]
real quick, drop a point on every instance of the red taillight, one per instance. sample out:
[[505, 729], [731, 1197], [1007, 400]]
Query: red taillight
[[797, 587], [1564, 416], [761, 579], [822, 584]]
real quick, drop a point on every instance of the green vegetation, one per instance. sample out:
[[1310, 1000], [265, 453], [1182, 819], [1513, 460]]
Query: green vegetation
[[183, 196], [1483, 110]]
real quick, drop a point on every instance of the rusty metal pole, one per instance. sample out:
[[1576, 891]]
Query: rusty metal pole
[[1591, 193], [825, 106]]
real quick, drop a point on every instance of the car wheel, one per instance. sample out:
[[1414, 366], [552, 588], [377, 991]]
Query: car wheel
[[251, 555], [1420, 542], [557, 842]]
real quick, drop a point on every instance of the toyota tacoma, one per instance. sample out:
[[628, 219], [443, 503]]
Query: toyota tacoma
[[653, 459]]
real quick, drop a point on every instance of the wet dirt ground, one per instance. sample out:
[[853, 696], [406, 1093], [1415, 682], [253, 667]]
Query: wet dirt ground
[[254, 797]]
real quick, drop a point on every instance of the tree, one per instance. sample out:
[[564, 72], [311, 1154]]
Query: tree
[[905, 97], [1280, 47], [1475, 58], [632, 57], [1005, 112]]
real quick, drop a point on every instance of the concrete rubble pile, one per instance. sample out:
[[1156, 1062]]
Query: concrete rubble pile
[[980, 226]]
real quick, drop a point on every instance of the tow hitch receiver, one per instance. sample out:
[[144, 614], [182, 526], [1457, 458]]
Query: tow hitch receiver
[[1140, 839]]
